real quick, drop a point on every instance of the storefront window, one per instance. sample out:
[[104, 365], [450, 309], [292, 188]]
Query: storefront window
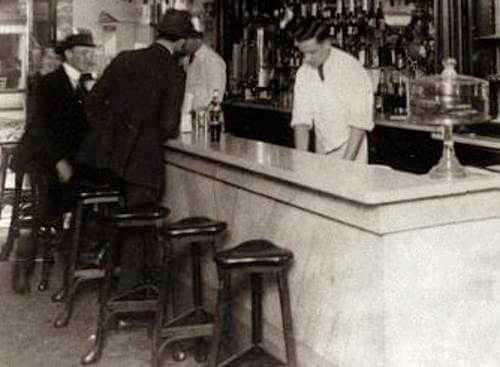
[[13, 41], [11, 54]]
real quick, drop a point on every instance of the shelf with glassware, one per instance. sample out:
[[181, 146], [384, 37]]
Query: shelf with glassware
[[487, 42], [395, 42]]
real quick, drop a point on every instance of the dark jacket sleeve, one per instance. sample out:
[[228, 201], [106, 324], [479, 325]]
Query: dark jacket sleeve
[[171, 111], [48, 148], [99, 138], [35, 141], [24, 151], [98, 100]]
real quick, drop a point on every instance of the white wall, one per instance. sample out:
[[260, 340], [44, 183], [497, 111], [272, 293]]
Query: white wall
[[86, 13]]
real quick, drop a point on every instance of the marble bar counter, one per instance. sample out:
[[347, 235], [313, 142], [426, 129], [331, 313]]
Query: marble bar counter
[[391, 269]]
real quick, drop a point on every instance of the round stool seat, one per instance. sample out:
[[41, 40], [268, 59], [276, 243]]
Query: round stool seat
[[98, 192], [195, 226], [140, 215], [254, 253]]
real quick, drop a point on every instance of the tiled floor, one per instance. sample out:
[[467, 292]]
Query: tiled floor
[[28, 339]]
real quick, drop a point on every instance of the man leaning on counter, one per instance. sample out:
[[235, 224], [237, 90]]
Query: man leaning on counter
[[333, 95]]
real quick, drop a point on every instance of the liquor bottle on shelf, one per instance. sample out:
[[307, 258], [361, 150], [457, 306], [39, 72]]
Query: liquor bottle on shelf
[[363, 53], [340, 7], [374, 55], [339, 31], [363, 18], [276, 40], [389, 97], [380, 94], [326, 11], [244, 46], [401, 100], [379, 17], [371, 18], [303, 11], [314, 9]]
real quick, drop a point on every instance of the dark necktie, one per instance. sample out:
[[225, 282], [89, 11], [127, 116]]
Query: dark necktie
[[81, 91], [321, 73]]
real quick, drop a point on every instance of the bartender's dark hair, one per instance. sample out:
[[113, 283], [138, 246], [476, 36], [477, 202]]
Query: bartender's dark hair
[[308, 29]]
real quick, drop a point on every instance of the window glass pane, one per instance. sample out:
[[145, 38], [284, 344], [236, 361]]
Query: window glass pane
[[13, 49], [10, 61]]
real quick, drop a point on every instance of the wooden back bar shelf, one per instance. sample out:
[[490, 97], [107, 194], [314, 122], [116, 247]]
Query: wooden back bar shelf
[[459, 29]]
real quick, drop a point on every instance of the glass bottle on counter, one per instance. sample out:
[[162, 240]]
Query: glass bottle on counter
[[215, 117]]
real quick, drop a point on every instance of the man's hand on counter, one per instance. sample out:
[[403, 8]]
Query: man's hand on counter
[[353, 143], [301, 135]]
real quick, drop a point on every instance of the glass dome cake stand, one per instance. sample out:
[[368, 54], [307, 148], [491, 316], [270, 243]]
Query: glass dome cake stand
[[447, 100]]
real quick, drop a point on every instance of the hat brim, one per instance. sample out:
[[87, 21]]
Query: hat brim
[[83, 44], [66, 46], [197, 34], [192, 34]]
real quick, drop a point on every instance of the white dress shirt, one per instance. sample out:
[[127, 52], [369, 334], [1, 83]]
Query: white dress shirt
[[206, 72], [343, 99], [73, 74]]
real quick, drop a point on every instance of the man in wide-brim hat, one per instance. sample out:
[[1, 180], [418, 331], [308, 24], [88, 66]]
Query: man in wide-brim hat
[[52, 140], [77, 50]]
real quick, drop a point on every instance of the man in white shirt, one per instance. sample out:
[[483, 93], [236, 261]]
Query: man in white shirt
[[205, 72], [332, 94]]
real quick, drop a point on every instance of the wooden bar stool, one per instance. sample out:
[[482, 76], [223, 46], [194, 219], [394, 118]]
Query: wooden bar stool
[[144, 298], [195, 322], [11, 196], [14, 226], [25, 217], [103, 199], [6, 153], [255, 257]]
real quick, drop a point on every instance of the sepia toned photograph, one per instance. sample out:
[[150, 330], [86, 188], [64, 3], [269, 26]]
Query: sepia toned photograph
[[250, 183]]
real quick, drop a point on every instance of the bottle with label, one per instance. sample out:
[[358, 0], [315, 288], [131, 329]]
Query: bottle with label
[[215, 117], [381, 94]]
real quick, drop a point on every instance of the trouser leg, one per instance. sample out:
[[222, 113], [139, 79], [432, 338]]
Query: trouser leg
[[133, 255]]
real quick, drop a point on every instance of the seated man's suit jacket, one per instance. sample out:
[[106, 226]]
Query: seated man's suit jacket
[[57, 124]]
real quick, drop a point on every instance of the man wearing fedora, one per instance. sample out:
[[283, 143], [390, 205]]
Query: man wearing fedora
[[52, 139], [132, 109]]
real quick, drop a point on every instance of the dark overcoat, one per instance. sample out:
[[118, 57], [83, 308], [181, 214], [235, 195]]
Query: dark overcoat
[[133, 108]]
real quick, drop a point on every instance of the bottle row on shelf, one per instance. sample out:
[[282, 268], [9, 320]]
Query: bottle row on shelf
[[391, 94], [264, 56]]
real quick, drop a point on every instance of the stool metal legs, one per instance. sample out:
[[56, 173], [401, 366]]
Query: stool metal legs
[[194, 323], [13, 227], [256, 286], [47, 264], [163, 298], [200, 348], [103, 318], [68, 290], [222, 312], [286, 317]]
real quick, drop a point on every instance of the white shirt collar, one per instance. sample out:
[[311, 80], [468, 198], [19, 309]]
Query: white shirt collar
[[168, 46], [72, 73], [201, 50]]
